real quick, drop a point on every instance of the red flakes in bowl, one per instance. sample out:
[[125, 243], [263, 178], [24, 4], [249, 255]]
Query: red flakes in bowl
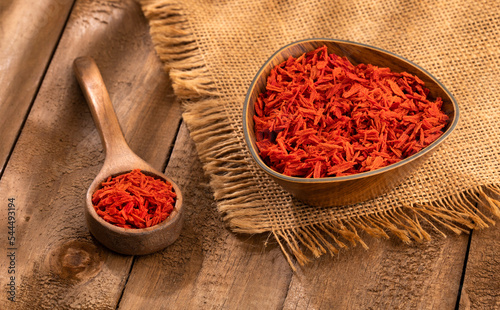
[[321, 116]]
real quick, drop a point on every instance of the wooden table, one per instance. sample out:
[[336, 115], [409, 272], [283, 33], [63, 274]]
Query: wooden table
[[50, 151]]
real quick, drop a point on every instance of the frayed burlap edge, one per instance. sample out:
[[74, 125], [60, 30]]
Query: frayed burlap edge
[[237, 192]]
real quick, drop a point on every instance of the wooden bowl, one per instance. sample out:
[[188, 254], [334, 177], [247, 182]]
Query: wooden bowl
[[344, 190]]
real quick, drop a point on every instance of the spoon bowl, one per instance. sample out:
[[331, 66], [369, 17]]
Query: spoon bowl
[[120, 159]]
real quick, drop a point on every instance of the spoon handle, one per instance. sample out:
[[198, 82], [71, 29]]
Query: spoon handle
[[92, 85]]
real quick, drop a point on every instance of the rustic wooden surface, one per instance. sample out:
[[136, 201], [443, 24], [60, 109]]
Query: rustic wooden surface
[[51, 151], [29, 33]]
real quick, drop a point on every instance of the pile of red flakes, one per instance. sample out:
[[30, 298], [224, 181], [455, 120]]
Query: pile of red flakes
[[320, 116], [134, 200]]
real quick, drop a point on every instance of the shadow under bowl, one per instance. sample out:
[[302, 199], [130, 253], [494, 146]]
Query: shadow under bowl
[[345, 190]]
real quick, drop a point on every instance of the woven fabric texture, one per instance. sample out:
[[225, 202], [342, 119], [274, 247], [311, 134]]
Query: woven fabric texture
[[213, 49]]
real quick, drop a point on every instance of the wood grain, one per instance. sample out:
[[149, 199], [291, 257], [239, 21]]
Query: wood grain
[[389, 275], [29, 33], [59, 152], [481, 288], [208, 267]]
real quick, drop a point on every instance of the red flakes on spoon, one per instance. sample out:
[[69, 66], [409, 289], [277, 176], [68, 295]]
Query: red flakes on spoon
[[134, 200]]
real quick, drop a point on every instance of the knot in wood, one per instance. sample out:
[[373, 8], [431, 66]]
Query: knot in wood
[[76, 260]]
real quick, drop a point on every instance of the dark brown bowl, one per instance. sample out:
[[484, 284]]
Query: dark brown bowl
[[344, 190]]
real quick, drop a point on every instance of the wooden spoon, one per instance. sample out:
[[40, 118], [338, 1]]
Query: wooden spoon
[[120, 159]]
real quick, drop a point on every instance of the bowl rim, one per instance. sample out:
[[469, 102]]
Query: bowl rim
[[283, 177]]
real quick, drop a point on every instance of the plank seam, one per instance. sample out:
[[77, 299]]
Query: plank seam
[[35, 94]]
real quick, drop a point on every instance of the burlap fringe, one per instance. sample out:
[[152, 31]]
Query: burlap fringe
[[460, 214], [206, 119], [235, 188], [176, 46]]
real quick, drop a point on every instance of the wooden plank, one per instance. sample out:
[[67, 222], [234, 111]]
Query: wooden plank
[[389, 275], [29, 31], [208, 267], [57, 263], [481, 288]]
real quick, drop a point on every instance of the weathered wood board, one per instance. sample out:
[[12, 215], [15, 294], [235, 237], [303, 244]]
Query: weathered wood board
[[57, 262], [387, 275], [481, 289], [29, 33]]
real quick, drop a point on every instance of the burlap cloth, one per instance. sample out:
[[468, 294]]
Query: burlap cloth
[[213, 49]]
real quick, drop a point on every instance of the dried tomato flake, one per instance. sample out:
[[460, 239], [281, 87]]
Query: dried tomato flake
[[321, 116], [134, 200]]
